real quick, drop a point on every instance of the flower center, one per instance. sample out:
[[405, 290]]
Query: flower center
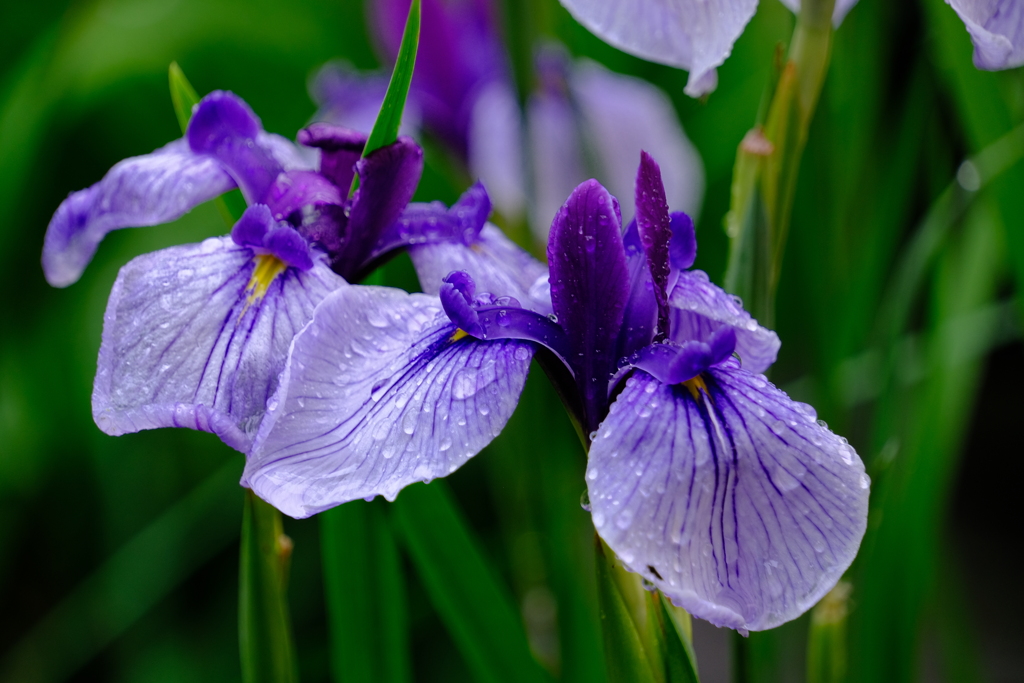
[[267, 268], [696, 385]]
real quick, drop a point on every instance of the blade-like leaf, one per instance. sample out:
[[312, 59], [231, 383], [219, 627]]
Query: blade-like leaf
[[389, 119], [365, 594], [464, 589], [264, 629], [624, 652]]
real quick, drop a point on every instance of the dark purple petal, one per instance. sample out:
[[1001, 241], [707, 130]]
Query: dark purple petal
[[589, 288], [313, 204], [253, 226], [188, 343], [224, 127], [700, 308], [735, 503], [287, 244], [641, 315], [340, 149], [377, 396], [653, 227], [683, 248], [997, 31], [141, 191], [672, 363], [387, 181], [457, 301]]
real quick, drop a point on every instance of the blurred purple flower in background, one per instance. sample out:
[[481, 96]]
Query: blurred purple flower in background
[[696, 35], [196, 336], [583, 120], [997, 31]]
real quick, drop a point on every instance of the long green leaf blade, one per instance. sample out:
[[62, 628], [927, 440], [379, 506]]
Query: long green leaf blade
[[365, 595], [264, 628], [389, 119], [473, 604]]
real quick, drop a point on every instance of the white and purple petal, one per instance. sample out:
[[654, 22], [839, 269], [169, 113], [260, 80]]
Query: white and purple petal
[[997, 31], [376, 395], [698, 308], [495, 147], [691, 34], [736, 503], [186, 343], [497, 264], [137, 192]]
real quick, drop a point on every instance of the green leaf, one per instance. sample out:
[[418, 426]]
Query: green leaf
[[365, 594], [463, 587], [680, 659], [183, 95], [389, 119], [826, 638], [627, 659], [264, 629]]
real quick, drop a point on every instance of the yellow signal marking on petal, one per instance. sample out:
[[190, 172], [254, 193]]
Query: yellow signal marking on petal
[[459, 334], [696, 386], [267, 268]]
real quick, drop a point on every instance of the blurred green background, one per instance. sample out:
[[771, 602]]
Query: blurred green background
[[899, 311]]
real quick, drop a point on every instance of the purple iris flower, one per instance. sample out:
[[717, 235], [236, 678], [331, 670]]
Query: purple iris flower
[[384, 388], [696, 35], [997, 31], [196, 335]]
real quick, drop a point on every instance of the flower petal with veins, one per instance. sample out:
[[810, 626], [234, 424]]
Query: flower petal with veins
[[727, 495], [378, 394], [187, 341]]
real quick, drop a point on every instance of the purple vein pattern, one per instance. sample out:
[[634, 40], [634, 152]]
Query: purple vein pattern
[[376, 396], [184, 344]]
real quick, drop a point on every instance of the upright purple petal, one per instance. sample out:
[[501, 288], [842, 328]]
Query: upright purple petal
[[188, 343], [622, 115], [376, 396], [699, 308], [223, 126], [640, 319], [838, 13], [497, 264], [683, 249], [735, 503], [589, 287], [655, 232], [691, 34], [141, 191], [387, 181], [340, 149], [997, 31]]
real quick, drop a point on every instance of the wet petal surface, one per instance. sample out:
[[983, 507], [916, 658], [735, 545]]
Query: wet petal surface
[[187, 341], [377, 396], [141, 191], [699, 308], [735, 503]]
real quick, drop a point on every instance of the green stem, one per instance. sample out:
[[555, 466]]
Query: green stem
[[264, 629], [767, 164]]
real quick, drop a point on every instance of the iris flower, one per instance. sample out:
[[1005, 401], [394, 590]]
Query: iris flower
[[703, 477], [197, 335], [997, 31], [582, 121], [696, 35]]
